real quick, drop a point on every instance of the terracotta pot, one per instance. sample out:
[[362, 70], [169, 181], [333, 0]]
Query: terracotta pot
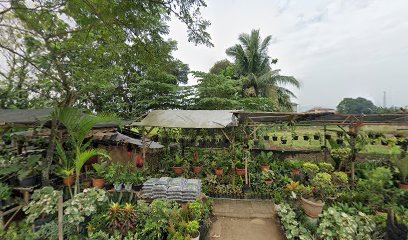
[[178, 170], [98, 183], [240, 172], [265, 167], [219, 172], [296, 171], [197, 169], [69, 181], [268, 182], [403, 186], [312, 209]]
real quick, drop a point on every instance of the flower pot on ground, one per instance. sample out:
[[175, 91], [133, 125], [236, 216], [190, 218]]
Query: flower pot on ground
[[265, 168], [98, 183], [68, 175], [192, 229], [403, 186], [311, 208]]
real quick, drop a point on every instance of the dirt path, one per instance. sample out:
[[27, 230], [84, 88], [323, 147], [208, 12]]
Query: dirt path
[[244, 220]]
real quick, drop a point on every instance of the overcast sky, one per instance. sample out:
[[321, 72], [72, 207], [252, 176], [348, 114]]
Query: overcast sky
[[336, 48]]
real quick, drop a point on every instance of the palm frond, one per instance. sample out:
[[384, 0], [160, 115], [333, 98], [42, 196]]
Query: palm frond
[[84, 156]]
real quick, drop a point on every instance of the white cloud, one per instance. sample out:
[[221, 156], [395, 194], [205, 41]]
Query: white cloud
[[341, 48]]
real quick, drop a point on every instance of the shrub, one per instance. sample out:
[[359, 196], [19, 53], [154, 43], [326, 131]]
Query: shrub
[[292, 227], [310, 169], [340, 225], [44, 202], [326, 167]]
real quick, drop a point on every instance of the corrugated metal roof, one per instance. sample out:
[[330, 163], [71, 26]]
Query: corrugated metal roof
[[189, 119]]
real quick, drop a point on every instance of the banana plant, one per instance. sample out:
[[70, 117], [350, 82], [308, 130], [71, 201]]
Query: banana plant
[[78, 126]]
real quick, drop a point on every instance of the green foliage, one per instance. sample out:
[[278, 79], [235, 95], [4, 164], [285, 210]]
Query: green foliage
[[84, 204], [292, 227], [268, 175], [192, 228], [323, 186], [121, 218], [356, 106], [377, 180], [5, 191], [264, 158], [18, 231], [326, 167], [220, 66], [310, 169], [402, 166], [340, 225], [44, 203]]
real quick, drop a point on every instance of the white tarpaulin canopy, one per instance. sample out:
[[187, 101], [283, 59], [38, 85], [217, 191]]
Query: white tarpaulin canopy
[[190, 119]]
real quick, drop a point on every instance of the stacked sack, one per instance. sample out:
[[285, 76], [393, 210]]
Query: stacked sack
[[147, 188], [177, 189]]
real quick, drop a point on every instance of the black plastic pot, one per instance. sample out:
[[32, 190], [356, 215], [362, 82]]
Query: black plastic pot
[[137, 188], [28, 181], [39, 222], [339, 141], [284, 141], [295, 138], [306, 138], [266, 138], [373, 142], [327, 136], [384, 143], [275, 139], [323, 148], [316, 137]]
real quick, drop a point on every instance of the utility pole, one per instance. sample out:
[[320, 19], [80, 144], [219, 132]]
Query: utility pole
[[385, 99]]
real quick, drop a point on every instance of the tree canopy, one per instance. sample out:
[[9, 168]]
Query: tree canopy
[[356, 106], [102, 55]]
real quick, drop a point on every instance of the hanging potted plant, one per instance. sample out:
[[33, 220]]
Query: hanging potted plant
[[327, 136], [274, 138], [240, 168], [219, 164], [384, 141], [264, 160], [306, 137], [178, 165], [268, 177], [98, 180], [197, 164], [139, 160], [339, 141], [295, 137], [316, 136], [284, 140]]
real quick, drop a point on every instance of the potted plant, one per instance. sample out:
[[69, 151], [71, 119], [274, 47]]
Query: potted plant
[[274, 138], [98, 180], [27, 175], [137, 179], [295, 166], [316, 136], [264, 160], [295, 137], [402, 165], [327, 136], [306, 137], [240, 168], [219, 164], [114, 175], [284, 140], [339, 141], [268, 177], [127, 180], [178, 165], [197, 164], [313, 197], [5, 194], [68, 175]]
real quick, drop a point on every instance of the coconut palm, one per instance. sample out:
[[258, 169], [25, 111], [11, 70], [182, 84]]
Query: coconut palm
[[78, 125], [253, 64]]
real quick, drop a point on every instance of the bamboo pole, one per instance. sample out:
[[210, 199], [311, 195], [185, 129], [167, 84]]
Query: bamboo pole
[[60, 216]]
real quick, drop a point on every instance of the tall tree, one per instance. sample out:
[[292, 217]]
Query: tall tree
[[253, 65], [356, 106]]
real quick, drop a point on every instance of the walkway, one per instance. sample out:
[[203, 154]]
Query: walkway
[[244, 220]]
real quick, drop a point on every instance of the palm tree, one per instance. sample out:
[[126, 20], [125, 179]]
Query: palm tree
[[78, 125], [253, 64]]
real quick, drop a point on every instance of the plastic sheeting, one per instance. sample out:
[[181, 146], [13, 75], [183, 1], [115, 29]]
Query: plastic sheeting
[[190, 119]]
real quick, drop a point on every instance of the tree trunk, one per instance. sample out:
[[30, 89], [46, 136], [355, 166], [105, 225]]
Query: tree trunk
[[50, 154]]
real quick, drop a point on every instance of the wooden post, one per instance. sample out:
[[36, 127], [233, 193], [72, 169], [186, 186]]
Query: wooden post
[[60, 216]]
